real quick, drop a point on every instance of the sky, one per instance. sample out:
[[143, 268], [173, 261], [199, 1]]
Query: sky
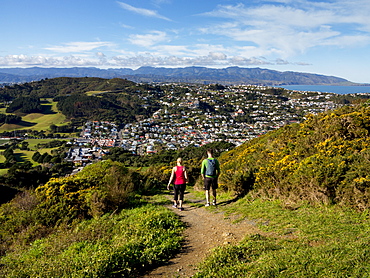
[[323, 37]]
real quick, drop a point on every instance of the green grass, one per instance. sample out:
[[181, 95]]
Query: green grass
[[38, 121], [4, 141], [34, 142], [23, 156], [295, 242], [2, 159], [121, 245], [3, 171]]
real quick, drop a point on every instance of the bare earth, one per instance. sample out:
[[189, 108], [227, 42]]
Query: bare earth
[[206, 229]]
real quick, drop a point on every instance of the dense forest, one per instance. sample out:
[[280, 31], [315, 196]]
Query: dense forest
[[9, 119], [25, 105]]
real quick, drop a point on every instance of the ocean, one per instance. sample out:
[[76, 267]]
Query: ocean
[[329, 89]]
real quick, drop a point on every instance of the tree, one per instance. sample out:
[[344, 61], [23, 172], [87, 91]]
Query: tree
[[36, 157], [24, 145], [25, 105]]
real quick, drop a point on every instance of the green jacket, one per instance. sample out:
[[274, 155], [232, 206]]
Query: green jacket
[[205, 164]]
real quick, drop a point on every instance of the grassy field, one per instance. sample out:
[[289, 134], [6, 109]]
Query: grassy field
[[24, 155], [121, 244], [34, 142], [38, 121], [2, 159], [3, 171], [295, 241]]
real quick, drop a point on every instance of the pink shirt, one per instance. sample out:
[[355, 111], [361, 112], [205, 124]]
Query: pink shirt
[[179, 174]]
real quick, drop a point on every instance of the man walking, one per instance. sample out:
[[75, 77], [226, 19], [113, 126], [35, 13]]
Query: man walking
[[210, 171]]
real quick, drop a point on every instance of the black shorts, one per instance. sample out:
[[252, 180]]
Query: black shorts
[[210, 183]]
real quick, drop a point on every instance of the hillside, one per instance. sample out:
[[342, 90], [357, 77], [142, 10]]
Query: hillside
[[116, 100], [322, 160], [202, 75], [301, 208], [62, 86], [38, 121]]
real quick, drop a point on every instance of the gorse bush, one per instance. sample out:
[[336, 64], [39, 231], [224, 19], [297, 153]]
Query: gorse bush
[[99, 188], [322, 160], [121, 245], [83, 226]]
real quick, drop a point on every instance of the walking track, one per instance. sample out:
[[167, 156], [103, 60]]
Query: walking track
[[206, 229]]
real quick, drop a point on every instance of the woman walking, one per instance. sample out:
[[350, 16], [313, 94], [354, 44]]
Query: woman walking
[[180, 178]]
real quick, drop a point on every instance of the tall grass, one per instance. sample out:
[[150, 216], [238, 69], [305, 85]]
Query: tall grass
[[121, 245], [295, 242]]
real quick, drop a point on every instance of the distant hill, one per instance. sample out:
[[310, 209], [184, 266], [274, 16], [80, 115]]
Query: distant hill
[[118, 100], [203, 75]]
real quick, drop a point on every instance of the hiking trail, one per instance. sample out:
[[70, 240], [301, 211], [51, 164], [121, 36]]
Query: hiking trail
[[206, 229]]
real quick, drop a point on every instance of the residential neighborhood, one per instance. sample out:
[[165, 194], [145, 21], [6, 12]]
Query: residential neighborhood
[[235, 114]]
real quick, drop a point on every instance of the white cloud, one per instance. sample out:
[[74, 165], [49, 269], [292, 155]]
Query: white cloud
[[210, 60], [126, 26], [158, 2], [172, 50], [143, 12], [150, 39], [287, 28], [99, 59], [75, 47], [45, 61]]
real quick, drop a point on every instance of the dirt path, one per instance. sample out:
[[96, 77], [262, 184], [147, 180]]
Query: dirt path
[[206, 229]]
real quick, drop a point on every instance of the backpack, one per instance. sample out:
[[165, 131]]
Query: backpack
[[211, 167]]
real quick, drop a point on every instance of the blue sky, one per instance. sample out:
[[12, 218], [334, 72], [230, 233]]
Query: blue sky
[[323, 37]]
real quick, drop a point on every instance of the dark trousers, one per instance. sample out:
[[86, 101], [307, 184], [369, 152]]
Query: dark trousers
[[210, 183], [179, 190]]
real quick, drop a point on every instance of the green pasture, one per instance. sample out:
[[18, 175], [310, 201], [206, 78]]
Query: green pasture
[[23, 156], [38, 121], [3, 171], [34, 142]]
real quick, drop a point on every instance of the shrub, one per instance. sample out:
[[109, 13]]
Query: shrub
[[99, 188], [322, 160], [121, 245]]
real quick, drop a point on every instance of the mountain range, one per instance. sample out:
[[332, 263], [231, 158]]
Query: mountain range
[[203, 75]]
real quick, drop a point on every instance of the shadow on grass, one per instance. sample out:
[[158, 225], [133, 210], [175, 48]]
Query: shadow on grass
[[20, 157], [47, 109], [228, 202], [156, 196], [26, 124]]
